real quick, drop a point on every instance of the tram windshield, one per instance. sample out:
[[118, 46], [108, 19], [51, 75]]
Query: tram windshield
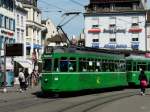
[[47, 64]]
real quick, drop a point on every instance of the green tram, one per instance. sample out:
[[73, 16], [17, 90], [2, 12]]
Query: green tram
[[74, 69], [133, 65]]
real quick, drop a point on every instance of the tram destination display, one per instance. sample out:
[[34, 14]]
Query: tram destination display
[[14, 49]]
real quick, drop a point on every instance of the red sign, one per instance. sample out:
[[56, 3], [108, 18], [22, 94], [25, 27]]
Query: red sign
[[135, 30], [7, 33], [94, 30]]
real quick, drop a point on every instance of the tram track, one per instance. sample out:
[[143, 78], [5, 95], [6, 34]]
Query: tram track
[[22, 103], [89, 105], [85, 105]]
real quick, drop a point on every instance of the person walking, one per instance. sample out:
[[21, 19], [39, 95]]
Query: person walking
[[143, 81], [22, 80]]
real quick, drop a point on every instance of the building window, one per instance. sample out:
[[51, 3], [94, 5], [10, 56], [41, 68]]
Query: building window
[[11, 24], [135, 39], [1, 18], [95, 40], [27, 33], [17, 20], [18, 35], [3, 21], [95, 26], [0, 2], [7, 22], [112, 40], [22, 36], [22, 21]]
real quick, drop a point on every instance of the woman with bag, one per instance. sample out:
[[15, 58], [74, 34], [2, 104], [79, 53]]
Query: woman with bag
[[143, 81]]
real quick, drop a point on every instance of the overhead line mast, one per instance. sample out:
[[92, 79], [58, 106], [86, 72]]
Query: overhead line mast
[[59, 27]]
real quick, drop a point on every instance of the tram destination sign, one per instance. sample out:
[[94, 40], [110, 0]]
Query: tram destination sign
[[14, 49], [48, 49]]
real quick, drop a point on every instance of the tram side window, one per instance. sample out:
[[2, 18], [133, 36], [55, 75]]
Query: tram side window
[[56, 67], [142, 65], [111, 66], [82, 65], [105, 66], [72, 64], [64, 64], [129, 66], [134, 66], [148, 66], [90, 65], [47, 64], [122, 66], [116, 68], [98, 66]]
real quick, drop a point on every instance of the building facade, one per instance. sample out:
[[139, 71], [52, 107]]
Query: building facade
[[49, 31], [7, 30], [148, 30], [33, 29], [20, 25], [7, 23], [117, 24]]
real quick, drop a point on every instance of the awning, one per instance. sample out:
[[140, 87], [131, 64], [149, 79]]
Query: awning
[[35, 46], [24, 63]]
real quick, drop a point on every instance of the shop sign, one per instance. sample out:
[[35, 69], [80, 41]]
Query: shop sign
[[114, 31], [7, 33], [95, 45], [113, 46], [94, 30]]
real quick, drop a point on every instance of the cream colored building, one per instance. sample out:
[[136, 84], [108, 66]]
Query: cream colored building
[[49, 31], [148, 30], [33, 29]]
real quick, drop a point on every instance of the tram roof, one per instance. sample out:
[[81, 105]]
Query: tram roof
[[73, 49], [137, 58]]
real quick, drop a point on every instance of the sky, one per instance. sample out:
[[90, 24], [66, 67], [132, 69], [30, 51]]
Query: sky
[[55, 9]]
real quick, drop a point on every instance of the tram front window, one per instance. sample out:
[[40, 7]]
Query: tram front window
[[47, 65]]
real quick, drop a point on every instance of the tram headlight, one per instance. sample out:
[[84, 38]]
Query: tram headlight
[[134, 75], [45, 80], [56, 79]]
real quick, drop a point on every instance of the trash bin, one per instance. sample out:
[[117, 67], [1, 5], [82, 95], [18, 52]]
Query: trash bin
[[9, 78]]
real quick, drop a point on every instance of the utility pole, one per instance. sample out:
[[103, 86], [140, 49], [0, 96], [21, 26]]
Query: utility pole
[[4, 89]]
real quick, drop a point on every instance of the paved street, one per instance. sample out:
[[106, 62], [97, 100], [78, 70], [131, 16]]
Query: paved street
[[13, 93], [127, 100]]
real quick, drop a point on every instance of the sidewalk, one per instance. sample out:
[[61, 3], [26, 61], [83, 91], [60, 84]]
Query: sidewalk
[[14, 93]]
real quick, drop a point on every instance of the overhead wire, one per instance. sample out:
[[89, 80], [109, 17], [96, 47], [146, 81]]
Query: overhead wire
[[76, 3], [47, 3]]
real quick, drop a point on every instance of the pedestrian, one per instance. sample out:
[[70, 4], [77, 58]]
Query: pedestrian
[[22, 81], [143, 81]]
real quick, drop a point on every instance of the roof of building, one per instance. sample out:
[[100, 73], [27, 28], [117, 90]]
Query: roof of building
[[113, 1], [29, 2], [43, 21], [115, 6], [57, 38], [21, 9]]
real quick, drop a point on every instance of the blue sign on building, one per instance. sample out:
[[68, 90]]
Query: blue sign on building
[[95, 45], [115, 46]]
